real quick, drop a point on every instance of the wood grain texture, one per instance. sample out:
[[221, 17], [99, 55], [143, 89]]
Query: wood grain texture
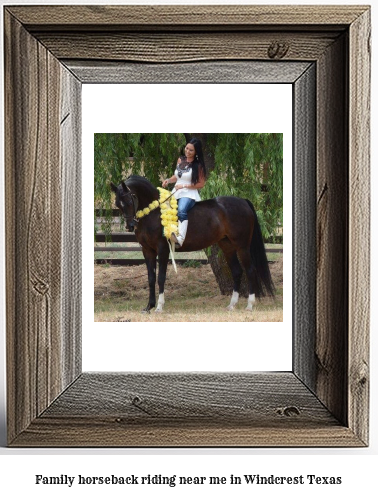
[[359, 226], [100, 432], [186, 47], [332, 230], [71, 293], [322, 403], [33, 325], [173, 16], [200, 72], [304, 255], [33, 227], [191, 396], [197, 409]]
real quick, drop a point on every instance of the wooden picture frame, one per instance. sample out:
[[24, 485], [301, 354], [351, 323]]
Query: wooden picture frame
[[49, 52]]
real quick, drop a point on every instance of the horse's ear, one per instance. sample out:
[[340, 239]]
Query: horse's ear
[[113, 187], [124, 187]]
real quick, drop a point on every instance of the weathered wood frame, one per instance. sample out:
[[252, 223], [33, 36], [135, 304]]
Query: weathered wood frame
[[49, 53]]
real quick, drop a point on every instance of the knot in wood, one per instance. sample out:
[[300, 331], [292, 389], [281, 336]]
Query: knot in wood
[[363, 381], [288, 411], [136, 400], [139, 403], [362, 375], [41, 287], [278, 50]]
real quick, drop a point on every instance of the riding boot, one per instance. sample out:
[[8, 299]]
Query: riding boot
[[182, 228]]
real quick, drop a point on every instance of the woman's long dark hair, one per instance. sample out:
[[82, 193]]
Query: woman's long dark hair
[[199, 161]]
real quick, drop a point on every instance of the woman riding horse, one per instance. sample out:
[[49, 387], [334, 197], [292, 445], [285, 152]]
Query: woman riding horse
[[227, 221], [189, 176]]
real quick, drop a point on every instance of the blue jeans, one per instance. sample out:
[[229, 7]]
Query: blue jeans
[[184, 205]]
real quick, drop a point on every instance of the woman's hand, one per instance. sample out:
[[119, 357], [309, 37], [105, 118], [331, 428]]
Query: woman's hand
[[169, 181]]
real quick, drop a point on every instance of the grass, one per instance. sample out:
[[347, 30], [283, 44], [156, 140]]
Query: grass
[[191, 295], [189, 308]]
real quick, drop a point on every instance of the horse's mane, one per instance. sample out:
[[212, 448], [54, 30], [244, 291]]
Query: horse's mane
[[139, 181]]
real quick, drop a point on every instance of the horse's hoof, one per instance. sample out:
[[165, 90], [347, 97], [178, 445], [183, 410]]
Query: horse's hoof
[[230, 308], [146, 311], [248, 308], [157, 310]]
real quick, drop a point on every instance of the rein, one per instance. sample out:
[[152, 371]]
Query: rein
[[151, 207]]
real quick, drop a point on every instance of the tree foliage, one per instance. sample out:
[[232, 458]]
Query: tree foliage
[[244, 165], [250, 166]]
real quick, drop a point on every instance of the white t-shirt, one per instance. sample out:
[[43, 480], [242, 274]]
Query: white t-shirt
[[185, 180]]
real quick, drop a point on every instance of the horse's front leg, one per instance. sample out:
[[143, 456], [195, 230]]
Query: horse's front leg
[[150, 257], [163, 263]]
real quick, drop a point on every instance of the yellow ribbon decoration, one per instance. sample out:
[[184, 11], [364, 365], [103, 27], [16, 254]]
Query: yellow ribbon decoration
[[169, 219], [168, 208], [141, 213]]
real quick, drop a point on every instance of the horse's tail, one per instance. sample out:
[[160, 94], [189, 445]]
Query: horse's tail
[[263, 281]]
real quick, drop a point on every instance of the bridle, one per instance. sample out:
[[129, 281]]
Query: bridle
[[134, 200]]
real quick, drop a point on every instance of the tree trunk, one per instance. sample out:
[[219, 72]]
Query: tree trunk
[[216, 258], [223, 274]]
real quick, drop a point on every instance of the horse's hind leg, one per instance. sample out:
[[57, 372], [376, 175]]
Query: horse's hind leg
[[236, 270], [246, 260]]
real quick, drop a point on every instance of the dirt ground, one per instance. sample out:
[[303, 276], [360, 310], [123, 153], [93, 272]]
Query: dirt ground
[[190, 295]]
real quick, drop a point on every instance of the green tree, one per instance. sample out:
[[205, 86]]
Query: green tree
[[245, 165]]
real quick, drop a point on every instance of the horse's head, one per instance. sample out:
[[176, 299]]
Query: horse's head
[[127, 202]]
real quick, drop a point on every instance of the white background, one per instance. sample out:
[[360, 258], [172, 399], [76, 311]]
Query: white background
[[186, 346], [356, 466]]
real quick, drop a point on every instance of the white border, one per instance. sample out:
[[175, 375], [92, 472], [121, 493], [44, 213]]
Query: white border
[[186, 346]]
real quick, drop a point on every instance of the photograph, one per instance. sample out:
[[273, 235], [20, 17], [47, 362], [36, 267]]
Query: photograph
[[93, 163], [189, 226]]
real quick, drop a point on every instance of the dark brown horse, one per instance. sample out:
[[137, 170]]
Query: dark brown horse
[[226, 220]]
